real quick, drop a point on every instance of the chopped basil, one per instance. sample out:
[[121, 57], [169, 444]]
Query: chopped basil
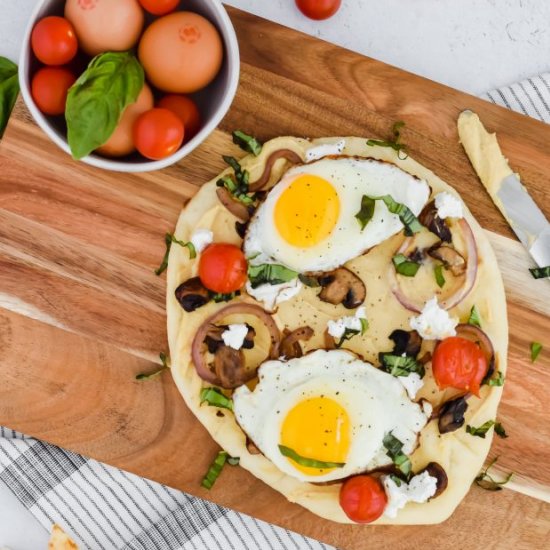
[[397, 480], [475, 318], [393, 144], [439, 277], [247, 143], [273, 274], [394, 449], [497, 381], [218, 297], [312, 282], [215, 398], [405, 266], [540, 272], [408, 219], [238, 186], [486, 481], [9, 89], [349, 333], [168, 240], [215, 470], [536, 348], [397, 365], [482, 430], [308, 462], [364, 216], [165, 365]]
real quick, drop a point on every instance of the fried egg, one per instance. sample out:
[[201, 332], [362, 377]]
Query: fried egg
[[328, 406], [307, 221]]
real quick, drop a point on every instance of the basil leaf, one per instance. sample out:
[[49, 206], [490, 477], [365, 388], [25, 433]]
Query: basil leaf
[[247, 143], [349, 333], [397, 365], [408, 219], [238, 187], [536, 348], [165, 365], [497, 381], [215, 398], [394, 451], [364, 216], [397, 480], [168, 240], [405, 266], [273, 274], [500, 431], [439, 277], [308, 462], [9, 89], [311, 282], [218, 297], [215, 470], [482, 430], [393, 144], [475, 318], [486, 481], [97, 100], [540, 272]]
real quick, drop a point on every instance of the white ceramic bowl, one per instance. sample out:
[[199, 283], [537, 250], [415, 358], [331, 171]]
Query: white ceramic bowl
[[213, 101]]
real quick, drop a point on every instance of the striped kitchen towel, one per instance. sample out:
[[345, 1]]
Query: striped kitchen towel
[[107, 509]]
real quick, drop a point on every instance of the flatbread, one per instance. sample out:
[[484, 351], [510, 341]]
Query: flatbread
[[59, 540], [460, 454]]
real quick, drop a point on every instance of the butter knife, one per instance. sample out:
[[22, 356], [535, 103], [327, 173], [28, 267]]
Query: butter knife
[[522, 213]]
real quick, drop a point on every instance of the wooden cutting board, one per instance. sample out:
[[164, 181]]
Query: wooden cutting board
[[82, 312]]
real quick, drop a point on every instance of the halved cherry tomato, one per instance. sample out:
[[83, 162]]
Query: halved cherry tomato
[[318, 9], [363, 498], [159, 7], [222, 268], [158, 133], [187, 111], [49, 89], [53, 41], [459, 363]]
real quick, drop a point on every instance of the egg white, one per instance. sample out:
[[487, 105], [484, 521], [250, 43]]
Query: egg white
[[351, 178], [375, 401]]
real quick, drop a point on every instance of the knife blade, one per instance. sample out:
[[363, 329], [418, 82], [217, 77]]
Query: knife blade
[[505, 188]]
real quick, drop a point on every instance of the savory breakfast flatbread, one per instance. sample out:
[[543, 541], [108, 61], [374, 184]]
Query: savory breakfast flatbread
[[371, 301]]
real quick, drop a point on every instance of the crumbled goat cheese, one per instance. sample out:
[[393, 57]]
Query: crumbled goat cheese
[[434, 323], [419, 489], [338, 327], [272, 295], [448, 206], [201, 238], [235, 335], [411, 383]]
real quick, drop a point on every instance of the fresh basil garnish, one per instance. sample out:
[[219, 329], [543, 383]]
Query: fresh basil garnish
[[97, 100], [439, 277], [9, 89], [215, 398], [498, 380], [215, 470], [536, 348], [309, 281], [349, 333], [408, 219], [487, 482], [405, 266], [165, 365], [219, 297], [308, 462], [168, 240], [237, 185], [273, 274], [397, 365], [394, 449], [247, 143], [500, 431], [393, 144], [540, 272], [475, 317], [482, 430], [364, 216]]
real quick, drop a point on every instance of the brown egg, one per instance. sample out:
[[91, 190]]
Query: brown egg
[[121, 141], [105, 25], [181, 52]]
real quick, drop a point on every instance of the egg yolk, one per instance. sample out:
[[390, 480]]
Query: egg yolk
[[307, 211], [317, 428]]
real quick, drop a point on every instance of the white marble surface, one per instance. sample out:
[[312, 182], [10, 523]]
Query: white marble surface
[[472, 45]]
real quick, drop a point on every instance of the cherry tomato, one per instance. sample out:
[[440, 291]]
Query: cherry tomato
[[187, 111], [49, 89], [318, 9], [53, 41], [363, 498], [158, 133], [222, 268], [159, 7], [459, 363]]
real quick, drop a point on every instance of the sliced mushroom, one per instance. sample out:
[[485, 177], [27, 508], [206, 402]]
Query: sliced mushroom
[[192, 294], [342, 286], [436, 470], [451, 414], [290, 344], [287, 154], [450, 258], [430, 219], [408, 342], [229, 366]]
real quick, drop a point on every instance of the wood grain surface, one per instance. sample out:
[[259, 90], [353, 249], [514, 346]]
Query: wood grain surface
[[81, 311]]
